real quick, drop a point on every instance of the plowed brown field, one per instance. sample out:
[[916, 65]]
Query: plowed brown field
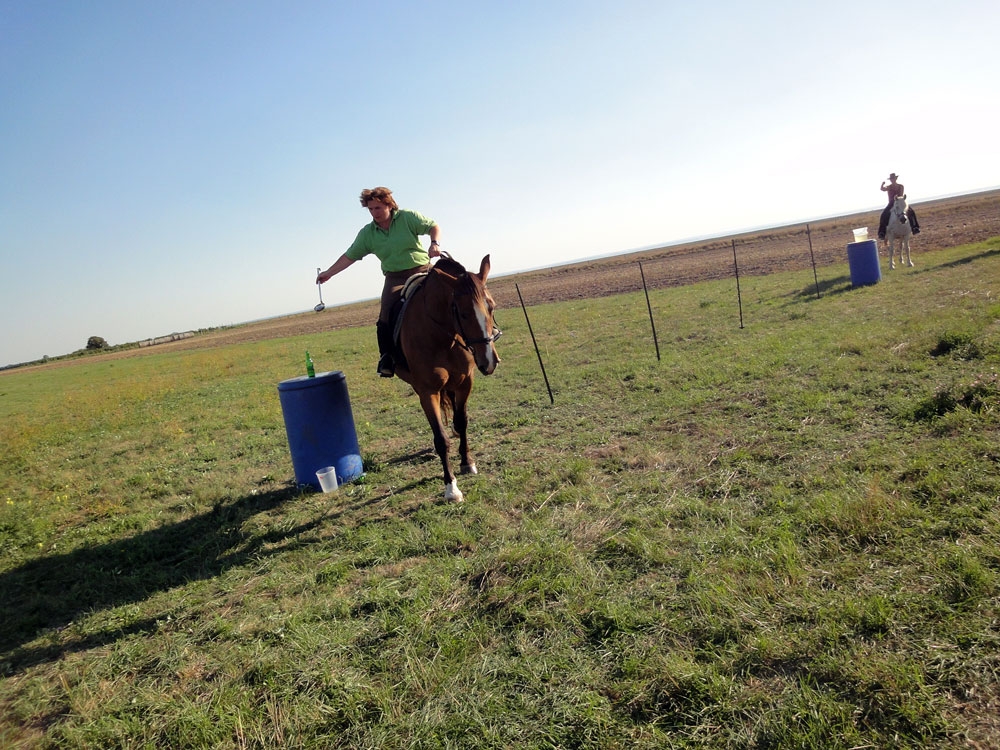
[[946, 222]]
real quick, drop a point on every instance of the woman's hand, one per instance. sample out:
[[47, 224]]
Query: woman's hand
[[342, 262]]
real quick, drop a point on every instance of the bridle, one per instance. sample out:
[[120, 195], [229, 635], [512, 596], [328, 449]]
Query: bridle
[[899, 207], [467, 343]]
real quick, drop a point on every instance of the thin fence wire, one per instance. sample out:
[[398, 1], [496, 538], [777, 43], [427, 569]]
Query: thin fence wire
[[759, 254]]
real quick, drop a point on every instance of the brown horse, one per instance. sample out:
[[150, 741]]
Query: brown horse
[[446, 332]]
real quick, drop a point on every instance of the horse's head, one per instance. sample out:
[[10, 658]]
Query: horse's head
[[897, 228], [473, 307]]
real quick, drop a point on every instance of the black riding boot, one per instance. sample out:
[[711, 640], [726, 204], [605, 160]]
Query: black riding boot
[[883, 222], [914, 224], [386, 367]]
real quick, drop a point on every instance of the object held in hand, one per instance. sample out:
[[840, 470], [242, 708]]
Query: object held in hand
[[320, 307]]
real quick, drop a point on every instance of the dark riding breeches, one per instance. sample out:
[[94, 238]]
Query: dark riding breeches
[[392, 291]]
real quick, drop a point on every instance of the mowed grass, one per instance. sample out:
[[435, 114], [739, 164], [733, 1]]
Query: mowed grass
[[786, 535]]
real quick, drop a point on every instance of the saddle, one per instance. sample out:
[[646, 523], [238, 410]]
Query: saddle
[[409, 289], [396, 322]]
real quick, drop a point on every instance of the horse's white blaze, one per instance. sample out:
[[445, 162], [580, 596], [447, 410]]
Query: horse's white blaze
[[481, 318], [452, 493], [486, 331]]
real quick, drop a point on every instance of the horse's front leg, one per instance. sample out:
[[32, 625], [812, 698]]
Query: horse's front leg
[[460, 420], [892, 255], [909, 261], [431, 404]]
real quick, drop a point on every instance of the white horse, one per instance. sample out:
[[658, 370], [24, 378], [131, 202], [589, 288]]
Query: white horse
[[898, 231]]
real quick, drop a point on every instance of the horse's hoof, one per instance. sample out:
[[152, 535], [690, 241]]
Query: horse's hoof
[[911, 264], [452, 494], [469, 469]]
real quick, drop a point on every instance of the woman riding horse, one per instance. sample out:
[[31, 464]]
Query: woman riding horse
[[393, 237], [895, 190]]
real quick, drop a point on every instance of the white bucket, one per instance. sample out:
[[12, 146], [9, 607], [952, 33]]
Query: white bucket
[[861, 234]]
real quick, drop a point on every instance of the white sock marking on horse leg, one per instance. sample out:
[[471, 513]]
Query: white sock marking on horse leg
[[452, 493]]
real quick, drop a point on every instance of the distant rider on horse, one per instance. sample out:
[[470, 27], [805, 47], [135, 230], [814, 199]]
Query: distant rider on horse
[[895, 190]]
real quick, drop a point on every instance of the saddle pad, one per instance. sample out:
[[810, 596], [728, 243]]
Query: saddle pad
[[413, 284]]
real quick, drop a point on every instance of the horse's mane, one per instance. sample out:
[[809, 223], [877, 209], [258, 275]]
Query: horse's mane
[[467, 282], [449, 266]]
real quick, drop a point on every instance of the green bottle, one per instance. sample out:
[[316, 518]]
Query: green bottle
[[310, 370]]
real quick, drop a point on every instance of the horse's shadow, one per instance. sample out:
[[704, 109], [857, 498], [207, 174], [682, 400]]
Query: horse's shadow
[[842, 284], [49, 593], [970, 258]]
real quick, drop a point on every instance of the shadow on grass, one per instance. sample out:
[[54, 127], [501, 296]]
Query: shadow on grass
[[841, 284], [46, 595], [49, 593], [836, 285], [421, 456], [968, 259]]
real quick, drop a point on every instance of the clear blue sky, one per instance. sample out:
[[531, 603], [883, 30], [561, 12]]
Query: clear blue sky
[[167, 166]]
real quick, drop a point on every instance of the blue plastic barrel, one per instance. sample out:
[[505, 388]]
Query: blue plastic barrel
[[862, 257], [320, 427]]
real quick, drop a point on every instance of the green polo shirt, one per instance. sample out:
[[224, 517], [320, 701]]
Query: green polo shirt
[[398, 247]]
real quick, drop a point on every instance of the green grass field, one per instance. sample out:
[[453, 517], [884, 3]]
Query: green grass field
[[786, 535]]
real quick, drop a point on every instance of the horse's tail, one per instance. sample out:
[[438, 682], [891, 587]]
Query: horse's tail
[[447, 407]]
